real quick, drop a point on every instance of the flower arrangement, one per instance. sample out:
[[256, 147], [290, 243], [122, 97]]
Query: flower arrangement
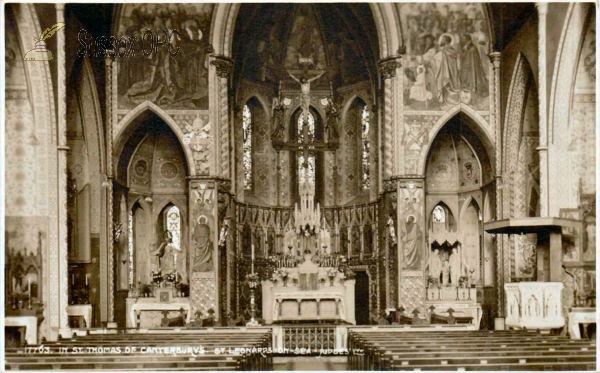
[[252, 277], [294, 280], [283, 273], [331, 273]]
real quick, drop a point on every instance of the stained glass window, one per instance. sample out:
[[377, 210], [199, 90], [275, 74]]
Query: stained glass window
[[311, 128], [130, 246], [306, 167], [439, 215], [306, 174], [366, 149], [174, 225], [247, 147]]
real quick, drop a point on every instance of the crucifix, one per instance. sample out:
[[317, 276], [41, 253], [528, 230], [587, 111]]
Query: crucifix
[[305, 89]]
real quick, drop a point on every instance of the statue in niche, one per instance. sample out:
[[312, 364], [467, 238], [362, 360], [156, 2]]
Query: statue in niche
[[411, 241], [169, 258], [325, 239], [445, 273], [305, 88], [278, 134], [331, 129], [435, 267], [458, 267], [203, 248], [391, 230]]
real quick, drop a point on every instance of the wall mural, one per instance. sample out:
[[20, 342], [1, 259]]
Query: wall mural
[[290, 37], [26, 246], [173, 81], [411, 239], [447, 59]]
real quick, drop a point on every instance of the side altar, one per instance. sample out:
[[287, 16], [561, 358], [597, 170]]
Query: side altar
[[309, 292]]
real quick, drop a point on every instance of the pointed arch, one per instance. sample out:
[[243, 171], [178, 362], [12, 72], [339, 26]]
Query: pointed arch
[[124, 130], [261, 100], [385, 16], [470, 199], [476, 122]]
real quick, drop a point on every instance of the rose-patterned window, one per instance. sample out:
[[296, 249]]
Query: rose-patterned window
[[365, 149], [247, 147], [173, 218]]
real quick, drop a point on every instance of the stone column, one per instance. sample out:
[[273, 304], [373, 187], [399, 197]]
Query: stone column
[[543, 115], [110, 263], [223, 67], [63, 263], [495, 122], [388, 68]]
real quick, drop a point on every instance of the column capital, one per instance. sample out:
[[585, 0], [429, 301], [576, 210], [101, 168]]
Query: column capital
[[542, 8], [388, 66], [496, 57], [223, 64]]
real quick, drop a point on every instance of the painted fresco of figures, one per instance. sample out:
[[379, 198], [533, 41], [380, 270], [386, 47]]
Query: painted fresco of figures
[[411, 241], [161, 75], [447, 56], [203, 248]]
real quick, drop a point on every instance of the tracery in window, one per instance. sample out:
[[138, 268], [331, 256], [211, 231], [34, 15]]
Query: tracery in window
[[174, 226], [306, 167], [439, 215], [306, 174], [365, 149], [311, 128], [247, 147]]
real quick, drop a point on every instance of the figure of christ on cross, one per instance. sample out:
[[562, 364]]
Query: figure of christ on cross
[[305, 88]]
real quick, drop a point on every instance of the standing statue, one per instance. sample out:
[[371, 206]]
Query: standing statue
[[435, 267], [458, 267], [331, 129], [278, 134], [305, 88]]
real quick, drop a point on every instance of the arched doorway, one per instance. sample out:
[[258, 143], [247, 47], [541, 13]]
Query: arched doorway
[[458, 176], [151, 187]]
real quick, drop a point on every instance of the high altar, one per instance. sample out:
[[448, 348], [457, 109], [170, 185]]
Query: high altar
[[309, 288], [311, 291]]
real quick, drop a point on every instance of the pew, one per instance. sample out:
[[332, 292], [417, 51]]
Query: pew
[[115, 352], [389, 349]]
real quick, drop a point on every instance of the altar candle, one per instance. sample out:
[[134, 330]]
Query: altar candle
[[29, 286], [86, 279], [252, 252], [72, 279]]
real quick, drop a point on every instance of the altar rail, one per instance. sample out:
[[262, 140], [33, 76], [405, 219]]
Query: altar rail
[[313, 337]]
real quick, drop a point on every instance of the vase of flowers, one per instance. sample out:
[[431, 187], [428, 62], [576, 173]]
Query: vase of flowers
[[331, 273], [252, 279], [284, 276]]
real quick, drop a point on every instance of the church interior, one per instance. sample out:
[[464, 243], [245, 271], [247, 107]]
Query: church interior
[[388, 186]]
